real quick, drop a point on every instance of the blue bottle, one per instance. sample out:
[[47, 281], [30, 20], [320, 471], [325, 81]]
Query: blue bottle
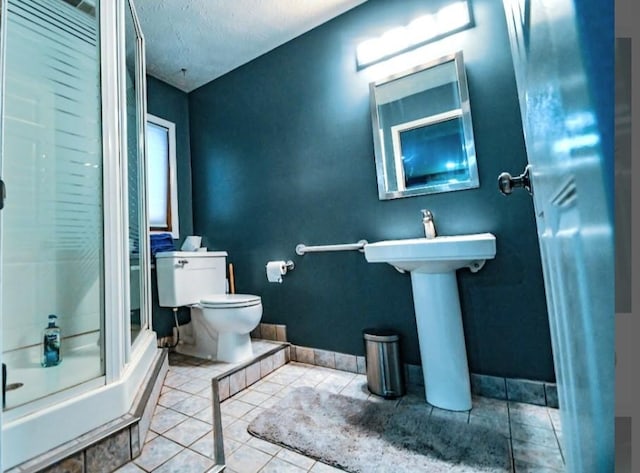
[[51, 343]]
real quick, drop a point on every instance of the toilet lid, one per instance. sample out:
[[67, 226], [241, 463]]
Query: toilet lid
[[230, 300]]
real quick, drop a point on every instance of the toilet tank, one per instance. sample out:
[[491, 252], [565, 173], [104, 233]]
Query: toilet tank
[[184, 277]]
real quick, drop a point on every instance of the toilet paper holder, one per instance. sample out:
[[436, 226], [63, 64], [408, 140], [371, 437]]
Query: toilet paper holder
[[287, 264], [277, 269]]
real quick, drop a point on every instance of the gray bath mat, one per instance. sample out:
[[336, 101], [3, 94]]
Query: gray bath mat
[[379, 437]]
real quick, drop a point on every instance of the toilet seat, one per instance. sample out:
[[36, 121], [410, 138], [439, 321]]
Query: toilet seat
[[229, 301]]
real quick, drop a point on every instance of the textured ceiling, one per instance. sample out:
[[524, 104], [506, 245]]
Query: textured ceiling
[[209, 38]]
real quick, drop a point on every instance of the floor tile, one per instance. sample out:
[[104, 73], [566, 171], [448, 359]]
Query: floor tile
[[496, 424], [195, 385], [537, 416], [282, 378], [319, 467], [252, 414], [204, 446], [191, 405], [188, 431], [175, 380], [305, 381], [462, 416], [227, 419], [165, 420], [356, 389], [184, 416], [171, 397], [235, 408], [295, 458], [272, 401], [130, 468], [205, 393], [254, 397], [284, 391], [297, 367], [156, 452], [230, 446], [530, 454], [186, 461], [266, 387], [554, 415], [205, 415], [264, 446], [328, 385], [485, 406], [237, 431], [535, 435], [280, 466], [247, 459], [521, 467]]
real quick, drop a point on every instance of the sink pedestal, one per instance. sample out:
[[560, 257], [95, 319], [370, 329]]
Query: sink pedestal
[[441, 337]]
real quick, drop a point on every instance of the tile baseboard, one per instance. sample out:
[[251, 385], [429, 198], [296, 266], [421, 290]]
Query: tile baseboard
[[528, 391], [243, 376], [512, 389], [272, 332]]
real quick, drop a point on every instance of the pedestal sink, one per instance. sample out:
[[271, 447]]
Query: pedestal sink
[[433, 264]]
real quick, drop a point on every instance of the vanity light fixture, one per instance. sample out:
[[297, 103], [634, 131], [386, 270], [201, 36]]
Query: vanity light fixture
[[425, 29]]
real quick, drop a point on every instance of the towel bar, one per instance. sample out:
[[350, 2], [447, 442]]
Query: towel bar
[[301, 249]]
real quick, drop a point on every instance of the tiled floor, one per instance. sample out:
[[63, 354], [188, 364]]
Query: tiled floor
[[180, 439]]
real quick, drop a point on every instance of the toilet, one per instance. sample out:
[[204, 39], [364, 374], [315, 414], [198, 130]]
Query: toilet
[[220, 322]]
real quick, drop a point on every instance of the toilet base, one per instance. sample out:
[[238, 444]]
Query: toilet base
[[233, 347]]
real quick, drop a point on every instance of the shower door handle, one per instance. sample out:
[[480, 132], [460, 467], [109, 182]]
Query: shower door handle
[[3, 194]]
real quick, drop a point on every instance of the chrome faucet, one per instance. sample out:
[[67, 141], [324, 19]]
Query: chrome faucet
[[429, 226]]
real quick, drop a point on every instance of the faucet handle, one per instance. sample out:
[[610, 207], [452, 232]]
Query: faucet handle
[[427, 222]]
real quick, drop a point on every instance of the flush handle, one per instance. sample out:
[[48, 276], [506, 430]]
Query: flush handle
[[181, 263], [506, 182]]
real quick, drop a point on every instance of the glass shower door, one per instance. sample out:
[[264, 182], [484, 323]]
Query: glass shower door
[[136, 172], [51, 227]]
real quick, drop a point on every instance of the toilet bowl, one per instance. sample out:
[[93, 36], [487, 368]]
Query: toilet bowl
[[220, 322], [233, 317]]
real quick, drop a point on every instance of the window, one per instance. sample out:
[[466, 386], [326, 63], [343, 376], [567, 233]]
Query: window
[[161, 176]]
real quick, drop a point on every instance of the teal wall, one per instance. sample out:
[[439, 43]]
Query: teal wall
[[167, 102], [282, 153]]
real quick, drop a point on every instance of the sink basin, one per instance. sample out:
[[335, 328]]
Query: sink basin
[[433, 264], [435, 255]]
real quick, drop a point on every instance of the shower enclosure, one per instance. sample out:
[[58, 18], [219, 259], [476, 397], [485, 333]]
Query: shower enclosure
[[73, 232]]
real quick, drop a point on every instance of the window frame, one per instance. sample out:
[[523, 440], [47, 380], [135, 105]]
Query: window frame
[[172, 207]]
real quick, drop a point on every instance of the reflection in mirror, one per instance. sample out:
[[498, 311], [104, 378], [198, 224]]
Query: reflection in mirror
[[422, 130]]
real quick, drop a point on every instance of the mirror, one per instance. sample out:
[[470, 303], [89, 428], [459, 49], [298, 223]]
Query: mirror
[[422, 131]]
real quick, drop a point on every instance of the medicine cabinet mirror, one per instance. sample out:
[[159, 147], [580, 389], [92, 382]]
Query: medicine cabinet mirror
[[422, 130]]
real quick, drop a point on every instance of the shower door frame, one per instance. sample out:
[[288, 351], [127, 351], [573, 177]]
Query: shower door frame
[[145, 268], [3, 30]]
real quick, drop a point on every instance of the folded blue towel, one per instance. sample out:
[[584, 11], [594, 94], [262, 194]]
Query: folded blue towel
[[161, 242]]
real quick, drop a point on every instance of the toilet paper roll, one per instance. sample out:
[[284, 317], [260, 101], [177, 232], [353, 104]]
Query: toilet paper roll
[[275, 271]]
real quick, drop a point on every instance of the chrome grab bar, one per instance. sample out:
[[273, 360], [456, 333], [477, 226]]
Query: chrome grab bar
[[301, 249]]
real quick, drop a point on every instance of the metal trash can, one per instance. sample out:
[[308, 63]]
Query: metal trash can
[[384, 367]]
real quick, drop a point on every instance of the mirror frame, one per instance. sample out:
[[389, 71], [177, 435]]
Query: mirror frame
[[464, 112]]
